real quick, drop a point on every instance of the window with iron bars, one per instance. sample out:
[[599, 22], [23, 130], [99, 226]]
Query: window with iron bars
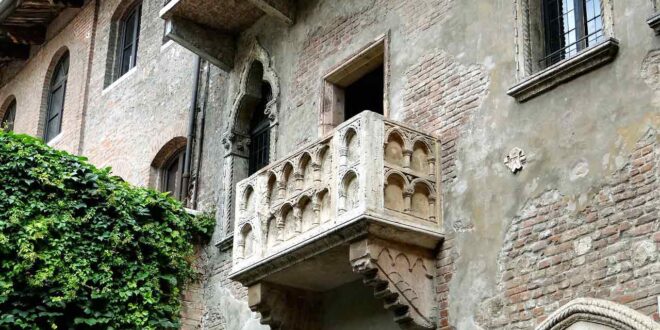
[[570, 27]]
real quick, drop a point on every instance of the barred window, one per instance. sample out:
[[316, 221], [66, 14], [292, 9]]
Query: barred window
[[570, 27], [260, 133]]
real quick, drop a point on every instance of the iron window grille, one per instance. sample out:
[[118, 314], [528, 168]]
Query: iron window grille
[[9, 117], [570, 27], [260, 132], [130, 36], [56, 95]]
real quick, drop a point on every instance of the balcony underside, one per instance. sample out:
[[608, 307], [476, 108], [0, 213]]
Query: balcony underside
[[209, 27], [23, 23]]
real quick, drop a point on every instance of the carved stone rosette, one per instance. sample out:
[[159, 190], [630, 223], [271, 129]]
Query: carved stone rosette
[[401, 276]]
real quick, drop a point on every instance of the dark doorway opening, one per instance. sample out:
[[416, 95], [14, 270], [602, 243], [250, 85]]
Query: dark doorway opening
[[366, 93]]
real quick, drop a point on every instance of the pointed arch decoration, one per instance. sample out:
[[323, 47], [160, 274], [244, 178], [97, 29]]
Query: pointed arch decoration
[[597, 312], [254, 69]]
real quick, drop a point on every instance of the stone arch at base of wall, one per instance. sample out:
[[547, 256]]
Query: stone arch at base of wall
[[597, 314]]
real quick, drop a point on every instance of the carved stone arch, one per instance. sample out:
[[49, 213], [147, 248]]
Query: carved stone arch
[[396, 146], [396, 184], [255, 68], [607, 314], [247, 240]]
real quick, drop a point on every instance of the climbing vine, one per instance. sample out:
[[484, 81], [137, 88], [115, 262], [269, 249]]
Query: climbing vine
[[81, 248]]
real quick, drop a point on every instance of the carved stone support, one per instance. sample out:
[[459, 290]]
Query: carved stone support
[[316, 169], [279, 222], [284, 308], [407, 154], [407, 199], [402, 276], [297, 219], [298, 181], [431, 162], [343, 156], [432, 206]]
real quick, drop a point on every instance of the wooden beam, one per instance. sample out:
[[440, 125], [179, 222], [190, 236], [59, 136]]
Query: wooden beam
[[33, 35], [212, 45], [9, 51], [70, 3]]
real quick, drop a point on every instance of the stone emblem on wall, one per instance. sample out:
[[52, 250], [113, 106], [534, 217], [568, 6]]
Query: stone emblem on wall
[[515, 160]]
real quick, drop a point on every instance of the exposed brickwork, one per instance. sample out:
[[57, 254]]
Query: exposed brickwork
[[30, 85], [439, 97], [557, 250], [419, 16], [444, 273], [651, 69]]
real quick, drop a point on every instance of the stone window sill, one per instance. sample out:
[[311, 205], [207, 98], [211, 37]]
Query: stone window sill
[[565, 70], [654, 22], [119, 80]]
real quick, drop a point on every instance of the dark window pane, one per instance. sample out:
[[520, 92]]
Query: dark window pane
[[129, 40], [260, 133], [56, 95], [570, 27]]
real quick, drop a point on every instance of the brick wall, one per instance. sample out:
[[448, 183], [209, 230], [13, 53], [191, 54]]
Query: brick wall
[[562, 247], [31, 83], [439, 97]]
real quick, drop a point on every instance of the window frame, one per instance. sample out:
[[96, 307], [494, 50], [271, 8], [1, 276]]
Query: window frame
[[56, 84], [179, 157], [10, 112], [532, 79], [136, 12]]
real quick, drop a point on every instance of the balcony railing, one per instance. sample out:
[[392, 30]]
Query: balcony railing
[[368, 167]]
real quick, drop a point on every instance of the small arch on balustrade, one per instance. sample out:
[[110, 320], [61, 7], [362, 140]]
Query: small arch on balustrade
[[287, 177], [305, 168], [421, 153], [395, 184], [395, 144], [307, 215], [287, 214], [422, 201], [247, 241], [352, 144], [323, 199], [350, 190], [271, 186], [271, 232], [248, 199]]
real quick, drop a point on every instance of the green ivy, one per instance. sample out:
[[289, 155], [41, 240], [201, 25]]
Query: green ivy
[[82, 249]]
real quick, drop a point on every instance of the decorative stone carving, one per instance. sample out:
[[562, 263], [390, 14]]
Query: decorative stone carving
[[309, 207], [515, 160], [284, 308], [598, 312], [402, 276]]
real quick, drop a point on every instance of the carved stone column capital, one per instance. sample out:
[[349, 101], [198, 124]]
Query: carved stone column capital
[[236, 144]]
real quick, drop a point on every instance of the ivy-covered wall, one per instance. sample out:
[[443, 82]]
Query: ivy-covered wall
[[81, 248]]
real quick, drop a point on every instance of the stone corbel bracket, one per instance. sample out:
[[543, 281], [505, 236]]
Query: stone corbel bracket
[[284, 308], [401, 276]]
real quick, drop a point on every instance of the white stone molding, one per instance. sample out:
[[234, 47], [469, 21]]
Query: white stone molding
[[515, 160], [601, 312]]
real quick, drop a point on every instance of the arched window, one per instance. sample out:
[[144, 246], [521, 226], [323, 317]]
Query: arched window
[[9, 117], [56, 93], [260, 132], [130, 35], [172, 173]]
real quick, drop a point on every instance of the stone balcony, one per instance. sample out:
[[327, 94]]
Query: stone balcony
[[361, 202]]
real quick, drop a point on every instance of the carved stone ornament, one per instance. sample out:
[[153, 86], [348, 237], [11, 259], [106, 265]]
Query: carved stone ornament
[[235, 143], [589, 311], [284, 307], [515, 160], [401, 276]]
